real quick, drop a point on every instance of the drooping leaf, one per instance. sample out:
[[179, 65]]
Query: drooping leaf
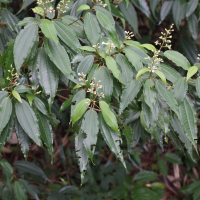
[[25, 4], [86, 64], [193, 26], [24, 43], [109, 116], [28, 121], [20, 192], [176, 11], [142, 71], [165, 10], [161, 75], [191, 6], [153, 5], [16, 95], [145, 176]]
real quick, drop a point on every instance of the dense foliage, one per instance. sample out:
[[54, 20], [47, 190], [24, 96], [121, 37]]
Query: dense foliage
[[118, 88]]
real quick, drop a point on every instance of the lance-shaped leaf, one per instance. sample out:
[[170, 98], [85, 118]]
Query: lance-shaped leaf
[[180, 89], [6, 166], [24, 43], [102, 74], [167, 96], [191, 72], [22, 89], [30, 168], [109, 116], [20, 192], [58, 56], [111, 138], [193, 26], [46, 132], [142, 71], [16, 95], [112, 66], [126, 68], [49, 30], [80, 109], [67, 35], [188, 120], [161, 75], [23, 138], [129, 94], [83, 7], [90, 126], [192, 4], [5, 112], [88, 48], [48, 74], [178, 59], [66, 104], [92, 28], [81, 154], [28, 121], [86, 64], [198, 86], [153, 5], [39, 104], [149, 47], [166, 7]]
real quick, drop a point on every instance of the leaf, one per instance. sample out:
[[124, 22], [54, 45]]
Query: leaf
[[88, 48], [176, 11], [145, 176], [69, 190], [129, 94], [39, 10], [165, 10], [6, 166], [126, 69], [80, 109], [163, 167], [191, 71], [83, 7], [25, 4], [111, 138], [19, 191], [40, 106], [103, 75], [167, 96], [86, 64], [178, 59], [127, 132], [142, 71], [81, 154], [22, 89], [193, 26], [149, 47], [112, 66], [90, 126], [67, 35], [3, 95], [180, 89], [66, 104], [28, 121], [24, 43], [17, 96], [153, 5], [49, 30], [5, 112], [188, 120], [191, 6], [30, 168], [161, 75], [48, 74], [23, 138], [58, 56], [198, 86], [92, 28], [172, 158]]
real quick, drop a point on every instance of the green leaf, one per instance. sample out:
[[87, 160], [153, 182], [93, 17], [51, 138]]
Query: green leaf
[[69, 190], [6, 194], [193, 26], [198, 86], [126, 69], [129, 94], [28, 121], [165, 10], [26, 3], [176, 11], [39, 10], [49, 30], [90, 126], [161, 75], [20, 192], [24, 43], [142, 71], [163, 167], [3, 95], [40, 106], [81, 154], [86, 64], [180, 89], [149, 47], [6, 166], [109, 116], [5, 112], [30, 168], [80, 109], [145, 176], [58, 56], [111, 138], [22, 89], [83, 7], [23, 138], [153, 5], [127, 132], [172, 158], [17, 96], [191, 6], [178, 59], [67, 35], [92, 28], [112, 66], [30, 98], [66, 104], [88, 48]]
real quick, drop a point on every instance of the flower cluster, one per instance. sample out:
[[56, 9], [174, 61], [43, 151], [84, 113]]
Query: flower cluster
[[82, 78], [153, 69], [198, 58], [45, 3], [117, 2], [63, 6], [96, 46], [94, 86], [129, 35], [100, 2], [110, 45]]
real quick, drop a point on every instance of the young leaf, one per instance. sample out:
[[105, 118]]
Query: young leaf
[[17, 96], [20, 192], [191, 72], [65, 104], [83, 7], [149, 47], [109, 116], [112, 66], [161, 75], [24, 43], [38, 10], [80, 109], [88, 48], [28, 121], [49, 30], [142, 71], [86, 64]]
